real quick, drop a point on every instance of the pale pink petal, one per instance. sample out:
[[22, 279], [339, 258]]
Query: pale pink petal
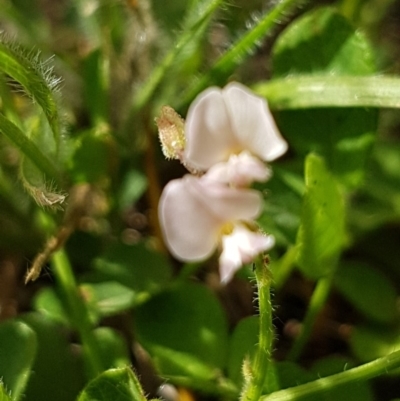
[[193, 210], [208, 130], [252, 123], [240, 170], [190, 230], [241, 247]]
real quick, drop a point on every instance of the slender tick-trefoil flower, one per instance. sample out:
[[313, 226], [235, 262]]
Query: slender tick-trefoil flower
[[222, 122], [198, 215], [229, 133]]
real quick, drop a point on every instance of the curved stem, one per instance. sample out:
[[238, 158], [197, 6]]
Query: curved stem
[[364, 372], [262, 361], [78, 311]]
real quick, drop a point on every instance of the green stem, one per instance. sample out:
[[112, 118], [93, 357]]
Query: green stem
[[262, 360], [318, 387], [78, 311], [317, 302], [242, 49]]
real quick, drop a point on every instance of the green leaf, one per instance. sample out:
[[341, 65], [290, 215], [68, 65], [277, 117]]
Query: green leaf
[[108, 297], [321, 234], [91, 160], [134, 266], [58, 367], [242, 345], [132, 188], [282, 206], [113, 348], [369, 343], [324, 42], [291, 375], [188, 320], [48, 303], [311, 91], [114, 384], [376, 298], [36, 77], [18, 348]]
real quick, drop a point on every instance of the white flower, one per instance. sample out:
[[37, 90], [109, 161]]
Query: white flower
[[222, 122], [198, 214], [240, 247], [239, 171]]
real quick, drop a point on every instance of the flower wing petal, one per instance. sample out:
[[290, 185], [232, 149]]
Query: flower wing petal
[[240, 170], [190, 230], [252, 122], [208, 130], [241, 247]]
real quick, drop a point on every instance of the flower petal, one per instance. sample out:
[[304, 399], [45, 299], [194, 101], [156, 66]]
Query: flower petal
[[194, 210], [208, 130], [190, 230], [241, 247], [252, 122], [240, 170]]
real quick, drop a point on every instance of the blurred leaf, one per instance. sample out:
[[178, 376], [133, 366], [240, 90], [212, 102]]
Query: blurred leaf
[[93, 157], [186, 320], [48, 303], [132, 188], [369, 343], [95, 86], [316, 91], [171, 363], [282, 206], [376, 298], [134, 266], [242, 345], [322, 233], [322, 41], [359, 390], [291, 375], [109, 297], [113, 348], [114, 384], [18, 348], [58, 366]]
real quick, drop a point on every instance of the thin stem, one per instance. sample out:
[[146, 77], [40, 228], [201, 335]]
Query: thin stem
[[78, 311], [262, 360], [361, 373], [317, 302]]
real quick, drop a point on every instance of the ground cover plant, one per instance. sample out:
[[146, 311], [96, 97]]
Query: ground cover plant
[[199, 200]]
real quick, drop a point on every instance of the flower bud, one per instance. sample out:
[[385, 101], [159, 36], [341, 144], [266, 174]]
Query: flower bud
[[171, 131]]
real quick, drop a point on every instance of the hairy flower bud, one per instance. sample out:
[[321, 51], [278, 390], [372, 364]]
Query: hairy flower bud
[[171, 131]]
